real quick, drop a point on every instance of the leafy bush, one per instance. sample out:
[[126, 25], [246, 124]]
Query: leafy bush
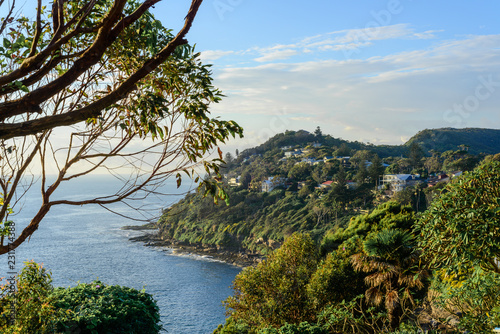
[[275, 292], [475, 300], [335, 280], [233, 326], [86, 309], [33, 312], [302, 328], [97, 308], [462, 227]]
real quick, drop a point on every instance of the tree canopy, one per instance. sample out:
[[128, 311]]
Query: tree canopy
[[102, 86], [461, 228]]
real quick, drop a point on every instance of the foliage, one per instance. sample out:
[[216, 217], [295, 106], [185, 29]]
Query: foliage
[[334, 280], [394, 271], [388, 215], [99, 308], [232, 326], [34, 313], [302, 328], [87, 308], [275, 292], [461, 228], [353, 317], [475, 300], [121, 93], [254, 221]]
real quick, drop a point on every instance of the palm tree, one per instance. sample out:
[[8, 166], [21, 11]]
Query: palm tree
[[394, 270]]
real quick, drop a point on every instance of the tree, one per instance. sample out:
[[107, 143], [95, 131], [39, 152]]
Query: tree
[[416, 154], [300, 171], [318, 135], [102, 86], [376, 169], [275, 292], [392, 262], [361, 174], [461, 228]]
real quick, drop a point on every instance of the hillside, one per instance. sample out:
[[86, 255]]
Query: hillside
[[478, 140], [321, 193]]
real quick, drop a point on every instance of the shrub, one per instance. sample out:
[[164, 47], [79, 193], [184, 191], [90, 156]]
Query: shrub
[[86, 309], [33, 312], [275, 292], [97, 308]]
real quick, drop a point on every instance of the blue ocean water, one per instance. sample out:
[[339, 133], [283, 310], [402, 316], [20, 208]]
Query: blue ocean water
[[84, 243]]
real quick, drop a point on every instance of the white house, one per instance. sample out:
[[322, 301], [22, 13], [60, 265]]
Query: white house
[[272, 182], [399, 182]]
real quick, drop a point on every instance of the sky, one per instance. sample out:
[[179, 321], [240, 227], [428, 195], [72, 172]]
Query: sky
[[371, 71]]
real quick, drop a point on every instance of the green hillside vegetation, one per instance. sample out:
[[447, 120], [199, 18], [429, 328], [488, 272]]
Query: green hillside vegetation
[[381, 275], [474, 140], [252, 221], [257, 222]]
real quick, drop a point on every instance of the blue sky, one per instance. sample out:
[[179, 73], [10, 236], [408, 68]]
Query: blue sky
[[372, 71]]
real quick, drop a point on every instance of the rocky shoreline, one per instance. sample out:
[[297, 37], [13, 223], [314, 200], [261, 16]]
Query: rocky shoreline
[[240, 258]]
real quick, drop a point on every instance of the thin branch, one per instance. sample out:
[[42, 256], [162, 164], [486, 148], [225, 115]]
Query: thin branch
[[38, 30]]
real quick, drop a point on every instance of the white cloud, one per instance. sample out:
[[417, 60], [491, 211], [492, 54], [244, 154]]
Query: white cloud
[[277, 55], [336, 41], [383, 98], [211, 55]]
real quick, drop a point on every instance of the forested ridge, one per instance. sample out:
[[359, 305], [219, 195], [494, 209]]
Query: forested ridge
[[258, 221]]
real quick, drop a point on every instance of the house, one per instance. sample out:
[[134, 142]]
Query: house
[[344, 161], [291, 154], [234, 181], [351, 185], [442, 177], [309, 161], [398, 182], [272, 182], [326, 184], [433, 180]]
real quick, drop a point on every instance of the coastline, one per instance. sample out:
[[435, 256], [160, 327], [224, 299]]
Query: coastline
[[236, 258]]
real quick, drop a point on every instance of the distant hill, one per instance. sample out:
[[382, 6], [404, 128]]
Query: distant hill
[[476, 140]]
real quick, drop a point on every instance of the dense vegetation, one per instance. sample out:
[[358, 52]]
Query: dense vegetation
[[256, 221], [473, 139], [86, 308], [384, 275]]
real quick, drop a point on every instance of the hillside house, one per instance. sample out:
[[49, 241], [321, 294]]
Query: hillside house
[[326, 184], [234, 181], [272, 182], [398, 182], [345, 161], [442, 177], [291, 154]]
